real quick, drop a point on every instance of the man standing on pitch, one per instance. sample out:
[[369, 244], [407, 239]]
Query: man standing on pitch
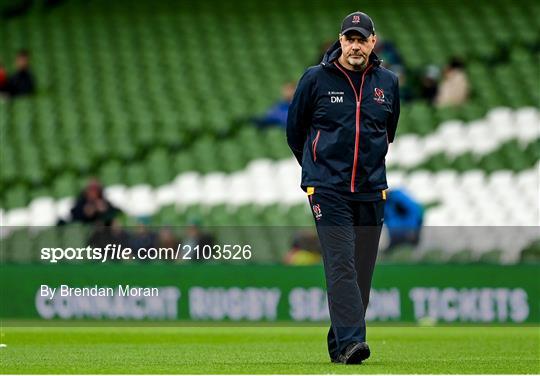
[[341, 120]]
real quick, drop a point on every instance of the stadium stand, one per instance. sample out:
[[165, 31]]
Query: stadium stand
[[147, 96]]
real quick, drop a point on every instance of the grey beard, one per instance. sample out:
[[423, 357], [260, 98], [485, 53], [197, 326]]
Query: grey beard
[[358, 67]]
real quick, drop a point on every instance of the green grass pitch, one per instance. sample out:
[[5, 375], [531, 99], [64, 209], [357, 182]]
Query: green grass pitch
[[268, 350]]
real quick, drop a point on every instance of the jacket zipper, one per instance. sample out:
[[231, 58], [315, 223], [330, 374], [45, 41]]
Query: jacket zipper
[[314, 145], [357, 135]]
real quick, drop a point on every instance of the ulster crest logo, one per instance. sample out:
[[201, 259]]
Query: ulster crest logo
[[317, 211], [379, 95]]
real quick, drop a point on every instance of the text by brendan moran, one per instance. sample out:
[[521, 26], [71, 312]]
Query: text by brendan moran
[[120, 290]]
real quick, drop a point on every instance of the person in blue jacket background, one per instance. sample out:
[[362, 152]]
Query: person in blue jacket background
[[277, 114], [343, 116], [403, 218]]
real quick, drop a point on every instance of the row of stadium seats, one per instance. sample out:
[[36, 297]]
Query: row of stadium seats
[[505, 139], [462, 28], [156, 169], [511, 155], [473, 198], [480, 137], [122, 101]]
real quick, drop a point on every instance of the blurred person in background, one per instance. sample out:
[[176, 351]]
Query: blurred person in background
[[21, 7], [16, 8], [143, 236], [454, 87], [389, 55], [305, 250], [114, 234], [403, 217], [277, 114], [21, 82], [391, 58], [166, 238], [429, 84], [92, 206], [196, 236], [343, 172], [3, 77], [405, 92]]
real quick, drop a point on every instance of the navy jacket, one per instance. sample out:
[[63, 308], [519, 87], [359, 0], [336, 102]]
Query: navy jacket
[[339, 130]]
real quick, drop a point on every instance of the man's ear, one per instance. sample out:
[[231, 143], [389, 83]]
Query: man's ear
[[374, 39]]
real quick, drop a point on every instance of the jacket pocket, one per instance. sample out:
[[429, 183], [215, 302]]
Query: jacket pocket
[[314, 145]]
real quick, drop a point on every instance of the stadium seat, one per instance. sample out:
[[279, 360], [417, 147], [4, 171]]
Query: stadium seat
[[141, 201], [17, 218], [42, 212]]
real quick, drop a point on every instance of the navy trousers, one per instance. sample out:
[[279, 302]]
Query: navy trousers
[[349, 229]]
